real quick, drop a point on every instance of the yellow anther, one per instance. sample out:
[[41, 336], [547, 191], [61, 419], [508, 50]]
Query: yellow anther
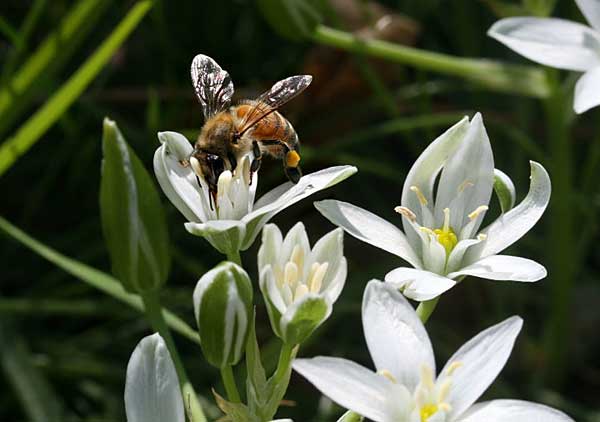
[[464, 185], [445, 407], [477, 211], [419, 194], [444, 390], [453, 367], [290, 273], [387, 374], [316, 281], [406, 212], [301, 290], [428, 411], [297, 258], [481, 236], [292, 158]]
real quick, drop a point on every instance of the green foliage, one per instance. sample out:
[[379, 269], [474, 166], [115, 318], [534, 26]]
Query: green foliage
[[132, 217], [293, 19]]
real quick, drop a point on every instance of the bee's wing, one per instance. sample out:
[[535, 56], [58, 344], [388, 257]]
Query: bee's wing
[[212, 85], [271, 100]]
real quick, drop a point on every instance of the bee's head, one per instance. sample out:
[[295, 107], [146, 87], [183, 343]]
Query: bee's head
[[209, 166]]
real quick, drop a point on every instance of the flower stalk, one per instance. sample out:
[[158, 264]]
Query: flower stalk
[[497, 76], [156, 318], [230, 385]]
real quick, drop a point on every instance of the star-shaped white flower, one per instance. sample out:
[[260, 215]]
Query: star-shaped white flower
[[562, 44], [300, 284], [441, 237], [233, 222], [404, 387], [152, 392]]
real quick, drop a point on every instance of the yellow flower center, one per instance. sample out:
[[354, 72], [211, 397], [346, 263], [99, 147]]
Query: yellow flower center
[[427, 411], [446, 235]]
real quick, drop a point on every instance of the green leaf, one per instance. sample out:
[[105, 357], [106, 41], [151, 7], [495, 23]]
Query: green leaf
[[350, 416], [539, 8], [256, 381], [38, 399], [47, 60], [505, 190], [35, 127], [94, 278], [292, 19], [132, 216], [308, 316], [236, 412]]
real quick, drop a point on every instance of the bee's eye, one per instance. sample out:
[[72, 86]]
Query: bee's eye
[[216, 163]]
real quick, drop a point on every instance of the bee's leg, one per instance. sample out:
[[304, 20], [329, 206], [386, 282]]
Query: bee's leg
[[232, 161], [257, 157], [291, 158]]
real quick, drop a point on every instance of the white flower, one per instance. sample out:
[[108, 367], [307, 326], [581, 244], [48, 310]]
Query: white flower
[[300, 285], [152, 392], [235, 220], [405, 387], [441, 237], [562, 44]]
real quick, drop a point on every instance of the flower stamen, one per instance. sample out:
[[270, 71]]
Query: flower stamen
[[419, 194], [406, 213], [477, 211], [387, 374]]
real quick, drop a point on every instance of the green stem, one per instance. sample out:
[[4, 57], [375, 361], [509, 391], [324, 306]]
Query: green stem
[[156, 318], [562, 254], [285, 358], [523, 80], [234, 256], [425, 309], [230, 385]]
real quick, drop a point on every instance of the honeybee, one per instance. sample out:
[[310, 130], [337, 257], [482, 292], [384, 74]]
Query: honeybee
[[252, 126]]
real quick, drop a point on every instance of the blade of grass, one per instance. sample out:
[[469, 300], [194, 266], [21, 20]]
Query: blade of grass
[[47, 115], [38, 399], [497, 76], [47, 59], [94, 278], [32, 18]]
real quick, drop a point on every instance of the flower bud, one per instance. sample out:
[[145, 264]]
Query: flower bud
[[223, 305], [300, 285]]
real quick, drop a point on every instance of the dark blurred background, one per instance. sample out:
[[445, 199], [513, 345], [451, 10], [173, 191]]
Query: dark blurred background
[[64, 346]]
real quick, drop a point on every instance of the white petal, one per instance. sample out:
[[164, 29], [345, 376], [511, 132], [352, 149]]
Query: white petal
[[504, 267], [513, 411], [335, 285], [463, 188], [308, 184], [152, 392], [270, 246], [425, 170], [369, 228], [591, 11], [351, 386], [434, 254], [481, 359], [395, 335], [330, 249], [296, 236], [179, 183], [418, 285], [511, 226], [224, 235], [269, 288], [587, 91], [456, 256], [552, 42]]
